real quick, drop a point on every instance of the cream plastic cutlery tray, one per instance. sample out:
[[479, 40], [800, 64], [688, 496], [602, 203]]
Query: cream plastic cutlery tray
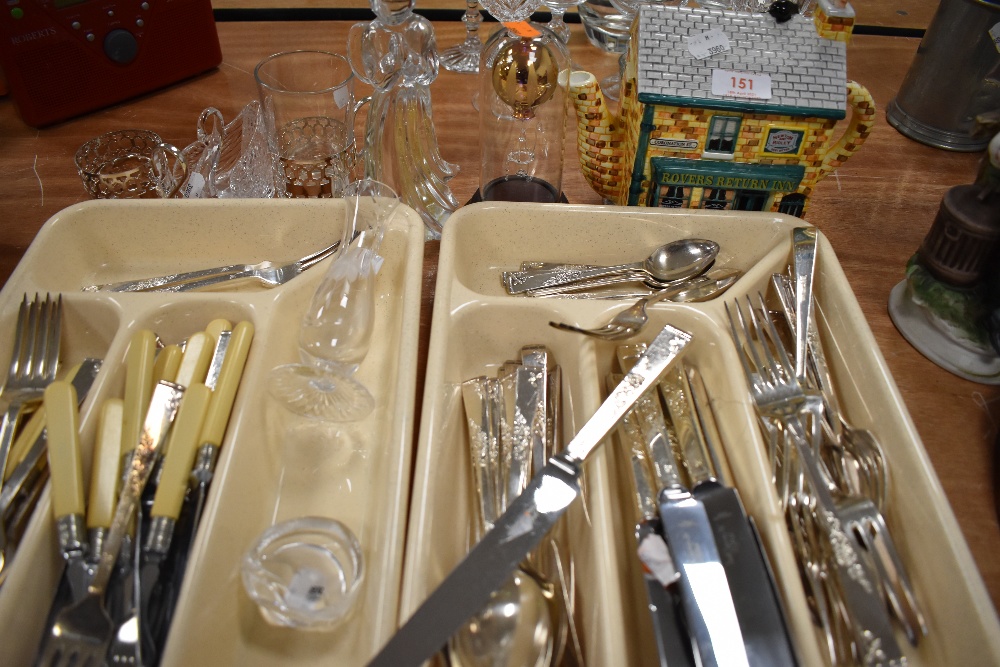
[[359, 474], [476, 326]]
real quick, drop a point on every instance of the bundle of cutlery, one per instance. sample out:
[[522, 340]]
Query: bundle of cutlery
[[154, 450], [830, 477], [34, 360], [514, 424], [668, 267], [711, 592], [528, 519]]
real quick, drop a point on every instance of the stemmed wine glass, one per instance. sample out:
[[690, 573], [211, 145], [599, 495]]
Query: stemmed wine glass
[[611, 84], [559, 9], [336, 331], [464, 57]]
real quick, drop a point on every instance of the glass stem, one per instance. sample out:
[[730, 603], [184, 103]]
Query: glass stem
[[472, 19]]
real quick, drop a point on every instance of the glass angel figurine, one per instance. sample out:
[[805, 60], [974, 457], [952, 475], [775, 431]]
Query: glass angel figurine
[[396, 54]]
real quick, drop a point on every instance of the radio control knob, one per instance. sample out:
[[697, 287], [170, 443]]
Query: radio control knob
[[121, 46]]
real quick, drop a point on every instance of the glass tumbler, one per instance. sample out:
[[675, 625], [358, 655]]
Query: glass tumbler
[[309, 108]]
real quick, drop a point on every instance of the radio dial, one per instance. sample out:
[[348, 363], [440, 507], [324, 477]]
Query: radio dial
[[121, 46]]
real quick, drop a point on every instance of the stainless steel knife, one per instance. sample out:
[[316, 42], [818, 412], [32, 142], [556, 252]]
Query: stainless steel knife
[[705, 596], [659, 574], [528, 518], [751, 579]]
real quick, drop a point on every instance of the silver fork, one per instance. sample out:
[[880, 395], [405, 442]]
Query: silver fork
[[267, 273], [629, 322], [33, 363], [777, 394], [863, 518], [859, 500]]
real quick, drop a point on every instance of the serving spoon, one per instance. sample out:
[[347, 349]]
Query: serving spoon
[[669, 262]]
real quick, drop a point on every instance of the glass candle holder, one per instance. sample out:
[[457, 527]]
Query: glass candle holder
[[522, 101], [305, 573]]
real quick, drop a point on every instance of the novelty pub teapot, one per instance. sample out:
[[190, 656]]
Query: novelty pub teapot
[[724, 110]]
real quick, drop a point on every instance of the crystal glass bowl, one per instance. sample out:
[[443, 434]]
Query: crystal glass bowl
[[304, 573]]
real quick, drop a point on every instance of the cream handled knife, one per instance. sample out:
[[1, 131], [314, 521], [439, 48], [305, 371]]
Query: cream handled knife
[[105, 473], [213, 430], [139, 381], [63, 426], [177, 464], [168, 361], [173, 483]]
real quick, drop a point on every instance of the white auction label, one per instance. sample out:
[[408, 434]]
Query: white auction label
[[751, 85], [995, 35], [707, 44], [655, 558]]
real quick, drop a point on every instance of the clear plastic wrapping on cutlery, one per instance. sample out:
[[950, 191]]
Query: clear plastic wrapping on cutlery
[[474, 321], [361, 479]]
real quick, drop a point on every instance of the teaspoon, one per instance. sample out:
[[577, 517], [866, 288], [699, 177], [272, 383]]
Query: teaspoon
[[672, 261]]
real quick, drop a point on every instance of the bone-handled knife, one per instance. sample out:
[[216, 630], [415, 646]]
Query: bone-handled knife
[[139, 381], [29, 457], [526, 521], [751, 581], [168, 361], [167, 503], [213, 430], [34, 427], [63, 427], [105, 473], [197, 356], [220, 407]]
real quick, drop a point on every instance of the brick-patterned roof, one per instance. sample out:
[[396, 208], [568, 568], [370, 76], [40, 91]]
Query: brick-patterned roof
[[808, 72]]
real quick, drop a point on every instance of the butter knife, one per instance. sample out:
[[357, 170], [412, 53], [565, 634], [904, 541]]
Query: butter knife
[[526, 521]]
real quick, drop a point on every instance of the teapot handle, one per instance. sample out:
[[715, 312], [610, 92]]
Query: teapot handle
[[861, 124]]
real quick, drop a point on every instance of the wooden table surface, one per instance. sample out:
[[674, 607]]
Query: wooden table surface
[[875, 210]]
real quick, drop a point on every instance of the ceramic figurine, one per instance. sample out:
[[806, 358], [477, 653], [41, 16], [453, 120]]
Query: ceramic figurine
[[724, 110], [396, 54], [948, 307]]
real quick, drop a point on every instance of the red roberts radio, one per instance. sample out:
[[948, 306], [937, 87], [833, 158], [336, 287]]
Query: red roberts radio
[[63, 58]]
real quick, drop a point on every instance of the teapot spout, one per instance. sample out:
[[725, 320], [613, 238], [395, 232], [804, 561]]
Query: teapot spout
[[600, 139]]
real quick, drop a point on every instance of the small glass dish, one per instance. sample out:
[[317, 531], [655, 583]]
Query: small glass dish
[[131, 164], [304, 573]]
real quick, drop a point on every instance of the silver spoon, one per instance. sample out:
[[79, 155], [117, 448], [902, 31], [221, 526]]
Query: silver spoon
[[669, 262], [514, 629]]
